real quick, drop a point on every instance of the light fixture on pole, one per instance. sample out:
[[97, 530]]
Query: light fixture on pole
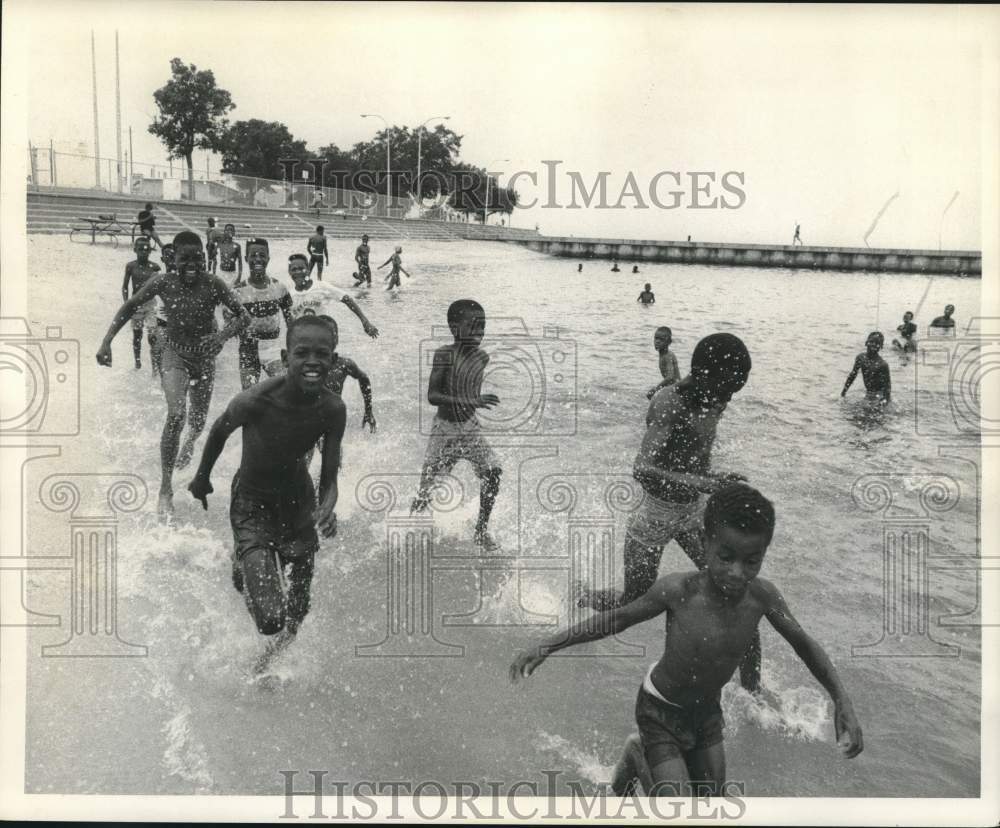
[[486, 203], [420, 135], [388, 146]]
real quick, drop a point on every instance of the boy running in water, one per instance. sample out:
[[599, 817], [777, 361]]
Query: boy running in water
[[189, 344], [212, 239], [711, 617], [273, 510], [874, 370], [318, 252], [266, 300], [455, 386], [231, 257], [138, 273], [361, 257], [316, 298], [647, 297], [906, 332], [672, 467], [397, 267], [669, 371]]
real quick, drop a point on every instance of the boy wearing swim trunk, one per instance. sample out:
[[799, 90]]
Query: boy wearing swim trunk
[[231, 257], [455, 386], [138, 273], [273, 511], [874, 370], [711, 615], [672, 467]]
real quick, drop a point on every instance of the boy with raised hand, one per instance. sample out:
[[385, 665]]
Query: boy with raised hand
[[311, 298], [137, 273], [396, 260], [231, 256], [673, 468], [189, 343], [711, 616], [273, 509], [455, 387], [874, 370], [318, 252], [669, 371]]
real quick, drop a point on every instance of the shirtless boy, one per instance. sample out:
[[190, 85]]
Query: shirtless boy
[[711, 617], [318, 252], [231, 257], [672, 467], [273, 509], [669, 372], [874, 370], [137, 273], [945, 323], [455, 387], [647, 297], [906, 333], [189, 343], [397, 268], [361, 258]]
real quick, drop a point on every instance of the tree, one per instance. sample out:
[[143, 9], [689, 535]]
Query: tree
[[256, 148], [192, 114]]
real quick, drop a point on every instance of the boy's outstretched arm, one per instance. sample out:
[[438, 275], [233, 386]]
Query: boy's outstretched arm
[[600, 625], [370, 329], [125, 312], [385, 263], [852, 375], [128, 276], [235, 416], [815, 658]]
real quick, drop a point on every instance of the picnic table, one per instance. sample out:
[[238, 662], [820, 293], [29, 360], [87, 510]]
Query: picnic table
[[105, 225]]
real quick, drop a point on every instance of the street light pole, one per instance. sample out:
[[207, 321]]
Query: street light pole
[[388, 148], [486, 204], [420, 135]]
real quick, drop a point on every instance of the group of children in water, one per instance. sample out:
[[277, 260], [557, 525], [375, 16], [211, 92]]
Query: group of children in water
[[721, 522]]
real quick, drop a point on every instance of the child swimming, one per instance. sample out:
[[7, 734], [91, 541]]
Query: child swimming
[[711, 618]]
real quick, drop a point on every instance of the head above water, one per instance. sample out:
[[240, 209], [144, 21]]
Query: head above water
[[908, 316], [399, 249], [364, 238], [649, 286], [467, 321], [662, 338], [189, 255], [310, 344], [720, 366], [739, 525], [142, 246], [949, 310], [258, 254], [875, 341]]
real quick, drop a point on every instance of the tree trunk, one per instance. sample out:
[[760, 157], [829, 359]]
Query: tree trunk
[[189, 157]]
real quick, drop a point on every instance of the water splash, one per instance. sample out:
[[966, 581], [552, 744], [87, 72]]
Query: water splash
[[800, 713], [588, 765]]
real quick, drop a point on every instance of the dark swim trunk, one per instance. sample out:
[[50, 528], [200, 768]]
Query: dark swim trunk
[[279, 522], [197, 364], [669, 731]]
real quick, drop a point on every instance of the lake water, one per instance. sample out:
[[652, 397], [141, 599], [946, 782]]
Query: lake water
[[573, 358]]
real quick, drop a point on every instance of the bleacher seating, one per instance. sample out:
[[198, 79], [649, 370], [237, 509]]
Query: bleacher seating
[[57, 212]]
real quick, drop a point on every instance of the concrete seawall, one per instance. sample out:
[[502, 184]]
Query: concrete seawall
[[628, 251]]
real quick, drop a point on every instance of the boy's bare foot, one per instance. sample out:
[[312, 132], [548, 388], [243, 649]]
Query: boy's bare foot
[[185, 454], [631, 774], [486, 541]]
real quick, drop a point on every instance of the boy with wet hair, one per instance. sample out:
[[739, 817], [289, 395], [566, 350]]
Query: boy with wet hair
[[455, 387], [874, 370], [673, 468], [711, 617], [137, 273], [273, 510], [945, 322], [669, 372], [189, 343], [231, 256], [647, 297], [318, 252]]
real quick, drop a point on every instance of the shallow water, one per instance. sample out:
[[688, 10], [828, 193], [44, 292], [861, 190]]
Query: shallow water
[[184, 719]]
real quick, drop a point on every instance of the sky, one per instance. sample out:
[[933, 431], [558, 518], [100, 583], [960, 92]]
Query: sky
[[820, 115]]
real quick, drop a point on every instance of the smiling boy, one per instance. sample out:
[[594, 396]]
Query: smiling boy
[[669, 371], [874, 370]]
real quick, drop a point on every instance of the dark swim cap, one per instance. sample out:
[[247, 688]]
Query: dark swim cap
[[724, 358]]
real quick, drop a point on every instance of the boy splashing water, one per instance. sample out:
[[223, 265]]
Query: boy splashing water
[[273, 510], [711, 616], [455, 386]]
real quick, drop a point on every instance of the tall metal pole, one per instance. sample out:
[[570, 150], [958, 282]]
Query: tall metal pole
[[97, 137], [118, 112], [131, 158]]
